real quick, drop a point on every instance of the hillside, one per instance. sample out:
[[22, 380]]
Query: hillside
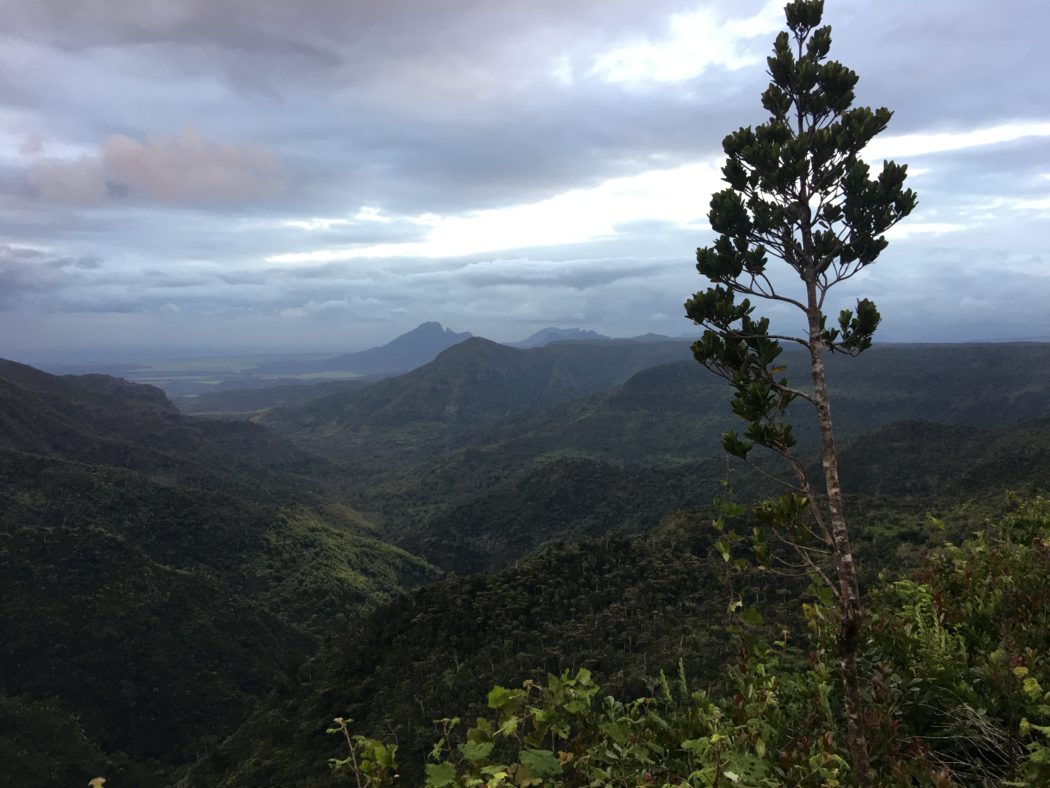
[[623, 608], [472, 384], [469, 493], [563, 498], [470, 513], [678, 411], [625, 401], [406, 352], [244, 402], [551, 334], [163, 572], [134, 526]]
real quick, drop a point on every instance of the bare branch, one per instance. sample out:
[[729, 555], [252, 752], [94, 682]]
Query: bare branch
[[776, 479]]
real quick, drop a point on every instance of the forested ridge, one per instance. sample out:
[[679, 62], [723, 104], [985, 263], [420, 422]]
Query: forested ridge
[[160, 573]]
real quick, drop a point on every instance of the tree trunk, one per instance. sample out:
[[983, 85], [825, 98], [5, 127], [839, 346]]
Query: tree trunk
[[851, 612]]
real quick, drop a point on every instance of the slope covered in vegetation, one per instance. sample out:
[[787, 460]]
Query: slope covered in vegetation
[[471, 494], [955, 676], [161, 573]]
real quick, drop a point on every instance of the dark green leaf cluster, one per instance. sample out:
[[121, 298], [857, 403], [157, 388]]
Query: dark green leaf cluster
[[741, 350], [963, 647], [797, 184], [799, 190], [855, 331]]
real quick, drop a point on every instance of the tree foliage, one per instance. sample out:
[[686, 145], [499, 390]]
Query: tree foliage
[[958, 696], [799, 190]]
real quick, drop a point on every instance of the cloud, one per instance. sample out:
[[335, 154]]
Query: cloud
[[495, 165], [80, 181], [185, 169], [675, 195], [909, 229], [695, 41], [32, 144], [903, 146], [27, 270]]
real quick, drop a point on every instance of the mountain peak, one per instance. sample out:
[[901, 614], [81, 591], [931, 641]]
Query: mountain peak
[[553, 334], [430, 328], [407, 351], [403, 353]]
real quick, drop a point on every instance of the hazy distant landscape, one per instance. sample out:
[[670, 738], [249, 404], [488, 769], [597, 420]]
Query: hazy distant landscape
[[190, 377]]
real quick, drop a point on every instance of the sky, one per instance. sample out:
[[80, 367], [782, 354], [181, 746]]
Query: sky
[[253, 175]]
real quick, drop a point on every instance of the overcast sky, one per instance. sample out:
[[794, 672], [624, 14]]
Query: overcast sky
[[326, 174]]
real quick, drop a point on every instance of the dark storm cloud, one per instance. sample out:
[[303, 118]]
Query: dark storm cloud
[[441, 106], [413, 103]]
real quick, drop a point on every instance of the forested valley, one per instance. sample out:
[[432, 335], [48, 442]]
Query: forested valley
[[194, 599]]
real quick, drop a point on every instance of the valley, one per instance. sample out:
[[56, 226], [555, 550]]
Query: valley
[[550, 506]]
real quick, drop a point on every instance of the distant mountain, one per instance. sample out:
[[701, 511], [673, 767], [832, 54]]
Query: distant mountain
[[677, 411], [408, 351], [547, 335], [473, 383]]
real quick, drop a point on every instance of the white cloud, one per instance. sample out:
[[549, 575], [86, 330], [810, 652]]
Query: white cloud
[[903, 146], [562, 71], [909, 229], [370, 213], [1041, 204], [314, 223], [1002, 206], [677, 196], [695, 41]]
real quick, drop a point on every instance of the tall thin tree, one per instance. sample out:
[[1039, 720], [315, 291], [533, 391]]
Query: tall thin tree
[[799, 192]]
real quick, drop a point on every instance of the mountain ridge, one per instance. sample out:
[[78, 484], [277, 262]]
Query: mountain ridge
[[472, 383], [403, 353], [553, 334]]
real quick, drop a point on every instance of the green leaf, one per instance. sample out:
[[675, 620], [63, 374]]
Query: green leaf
[[751, 617], [476, 751], [542, 763], [441, 775], [509, 726], [500, 697]]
